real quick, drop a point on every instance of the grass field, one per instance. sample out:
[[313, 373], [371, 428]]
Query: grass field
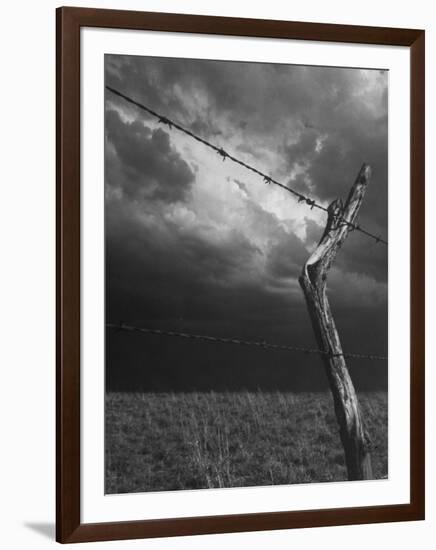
[[169, 441]]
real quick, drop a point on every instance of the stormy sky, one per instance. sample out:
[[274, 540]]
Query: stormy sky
[[201, 245]]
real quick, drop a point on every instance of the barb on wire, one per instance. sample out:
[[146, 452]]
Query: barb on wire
[[239, 342], [222, 153], [267, 179]]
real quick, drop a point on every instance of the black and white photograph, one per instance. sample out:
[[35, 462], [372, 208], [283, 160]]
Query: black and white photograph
[[246, 274]]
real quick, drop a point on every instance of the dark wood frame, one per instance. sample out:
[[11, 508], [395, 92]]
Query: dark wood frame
[[69, 22]]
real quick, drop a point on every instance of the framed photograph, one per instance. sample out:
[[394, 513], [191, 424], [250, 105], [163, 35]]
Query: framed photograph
[[240, 274]]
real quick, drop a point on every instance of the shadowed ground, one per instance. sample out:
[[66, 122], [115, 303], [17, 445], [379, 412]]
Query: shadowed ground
[[170, 441]]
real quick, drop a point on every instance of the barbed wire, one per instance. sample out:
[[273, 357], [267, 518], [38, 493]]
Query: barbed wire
[[266, 178], [239, 342]]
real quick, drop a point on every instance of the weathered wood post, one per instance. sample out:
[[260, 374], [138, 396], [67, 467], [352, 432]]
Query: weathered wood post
[[313, 281]]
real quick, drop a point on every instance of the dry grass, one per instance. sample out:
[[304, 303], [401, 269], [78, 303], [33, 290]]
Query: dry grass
[[166, 441]]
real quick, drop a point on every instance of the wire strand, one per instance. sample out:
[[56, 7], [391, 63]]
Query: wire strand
[[239, 342]]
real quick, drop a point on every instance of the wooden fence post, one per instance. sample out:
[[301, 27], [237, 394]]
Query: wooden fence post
[[313, 281]]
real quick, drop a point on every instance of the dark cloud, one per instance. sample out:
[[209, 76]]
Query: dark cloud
[[287, 256], [346, 132], [169, 274], [152, 168], [365, 256], [334, 168]]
